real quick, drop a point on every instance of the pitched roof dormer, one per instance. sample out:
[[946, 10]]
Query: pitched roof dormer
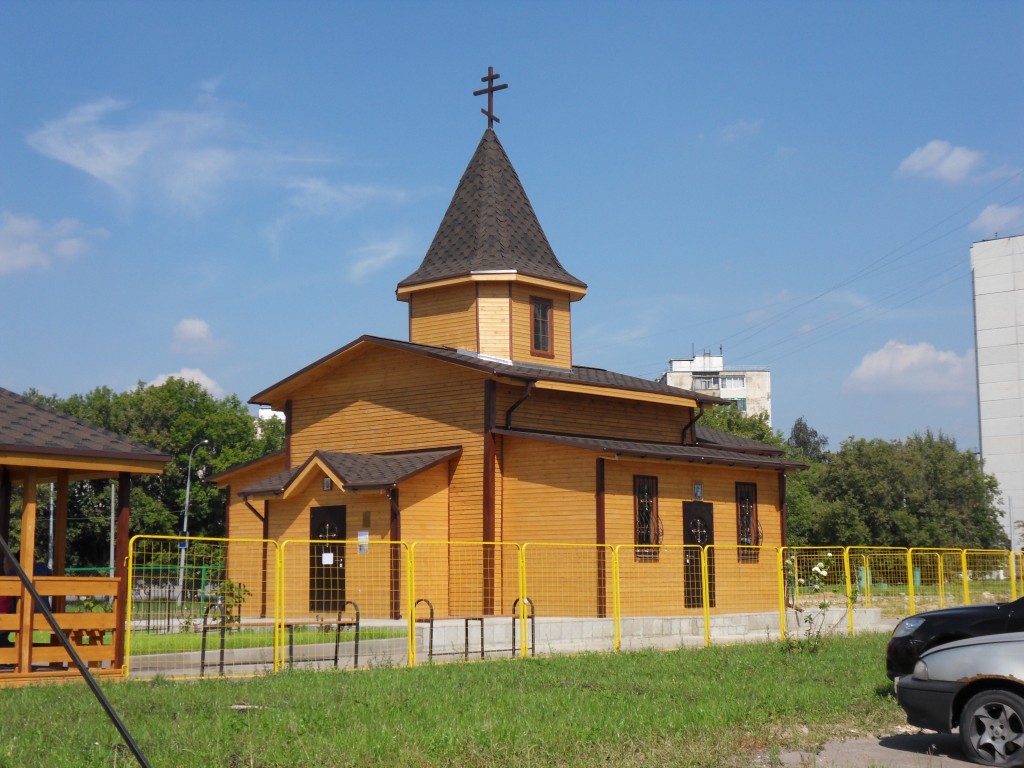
[[490, 282]]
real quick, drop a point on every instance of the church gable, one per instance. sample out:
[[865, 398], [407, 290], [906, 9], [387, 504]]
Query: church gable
[[389, 401]]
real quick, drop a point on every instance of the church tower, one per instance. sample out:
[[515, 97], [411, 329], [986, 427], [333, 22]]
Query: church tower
[[490, 282]]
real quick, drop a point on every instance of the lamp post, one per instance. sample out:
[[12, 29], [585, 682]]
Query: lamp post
[[183, 544]]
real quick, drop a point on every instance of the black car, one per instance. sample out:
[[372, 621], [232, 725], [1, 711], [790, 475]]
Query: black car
[[916, 634]]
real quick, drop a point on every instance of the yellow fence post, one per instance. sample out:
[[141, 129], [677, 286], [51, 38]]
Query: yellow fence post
[[279, 608], [1013, 576], [849, 591], [410, 589], [910, 580], [705, 592], [130, 607], [963, 577], [781, 582], [942, 580], [616, 602], [524, 643]]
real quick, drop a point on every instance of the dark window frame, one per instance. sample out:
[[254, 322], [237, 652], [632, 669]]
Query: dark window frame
[[646, 523], [542, 322], [748, 528]]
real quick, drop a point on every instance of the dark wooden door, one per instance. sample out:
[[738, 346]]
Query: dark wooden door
[[326, 559], [698, 530]]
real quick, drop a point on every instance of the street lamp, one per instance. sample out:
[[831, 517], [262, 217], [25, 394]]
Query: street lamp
[[183, 544]]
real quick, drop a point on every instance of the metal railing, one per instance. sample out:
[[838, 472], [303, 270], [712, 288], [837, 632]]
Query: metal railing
[[487, 598]]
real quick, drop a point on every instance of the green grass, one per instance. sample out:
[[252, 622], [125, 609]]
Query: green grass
[[708, 707]]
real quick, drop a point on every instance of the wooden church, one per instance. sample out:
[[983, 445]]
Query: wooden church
[[481, 427]]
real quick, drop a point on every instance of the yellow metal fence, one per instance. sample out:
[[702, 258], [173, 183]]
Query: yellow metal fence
[[241, 607]]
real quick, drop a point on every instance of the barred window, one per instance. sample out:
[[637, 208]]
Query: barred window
[[747, 527], [647, 526]]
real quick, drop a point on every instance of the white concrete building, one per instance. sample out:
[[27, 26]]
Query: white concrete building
[[750, 388], [998, 271]]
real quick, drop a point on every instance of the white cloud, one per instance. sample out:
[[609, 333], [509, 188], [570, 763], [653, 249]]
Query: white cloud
[[912, 368], [318, 197], [941, 160], [25, 243], [191, 374], [375, 256], [179, 155], [999, 218], [193, 336], [741, 129]]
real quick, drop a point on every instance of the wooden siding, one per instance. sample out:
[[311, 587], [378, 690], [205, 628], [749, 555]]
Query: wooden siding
[[424, 507], [493, 312], [444, 317], [550, 411], [549, 493], [384, 404], [550, 496], [252, 567], [423, 501], [366, 576], [675, 485], [522, 326]]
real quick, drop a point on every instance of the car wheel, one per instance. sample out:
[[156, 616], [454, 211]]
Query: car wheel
[[992, 728]]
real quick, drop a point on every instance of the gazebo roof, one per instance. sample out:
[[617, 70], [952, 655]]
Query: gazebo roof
[[35, 436]]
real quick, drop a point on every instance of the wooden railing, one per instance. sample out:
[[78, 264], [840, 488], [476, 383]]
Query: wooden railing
[[95, 634]]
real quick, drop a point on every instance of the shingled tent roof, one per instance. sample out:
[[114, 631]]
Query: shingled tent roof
[[31, 432], [490, 226]]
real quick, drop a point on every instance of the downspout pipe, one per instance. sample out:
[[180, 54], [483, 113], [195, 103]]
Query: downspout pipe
[[245, 500], [517, 403], [691, 422]]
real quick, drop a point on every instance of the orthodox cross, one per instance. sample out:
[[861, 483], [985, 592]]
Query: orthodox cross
[[489, 90]]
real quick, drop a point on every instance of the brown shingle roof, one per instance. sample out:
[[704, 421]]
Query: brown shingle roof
[[30, 427], [359, 471], [666, 451], [489, 225], [715, 438], [577, 374]]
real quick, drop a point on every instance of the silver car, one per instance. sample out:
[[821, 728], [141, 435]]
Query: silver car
[[976, 685]]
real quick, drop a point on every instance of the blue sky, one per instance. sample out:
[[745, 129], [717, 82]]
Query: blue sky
[[229, 191]]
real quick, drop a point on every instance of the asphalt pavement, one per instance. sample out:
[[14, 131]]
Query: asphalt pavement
[[911, 749]]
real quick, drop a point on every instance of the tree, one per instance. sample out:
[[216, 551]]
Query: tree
[[729, 419], [917, 492], [172, 418], [806, 442]]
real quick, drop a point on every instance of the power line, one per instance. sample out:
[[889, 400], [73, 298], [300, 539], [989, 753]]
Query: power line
[[882, 262]]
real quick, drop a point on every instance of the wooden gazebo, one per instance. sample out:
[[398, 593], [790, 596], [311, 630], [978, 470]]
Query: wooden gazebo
[[39, 445]]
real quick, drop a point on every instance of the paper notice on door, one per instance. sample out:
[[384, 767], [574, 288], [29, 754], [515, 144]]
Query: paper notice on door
[[327, 558]]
